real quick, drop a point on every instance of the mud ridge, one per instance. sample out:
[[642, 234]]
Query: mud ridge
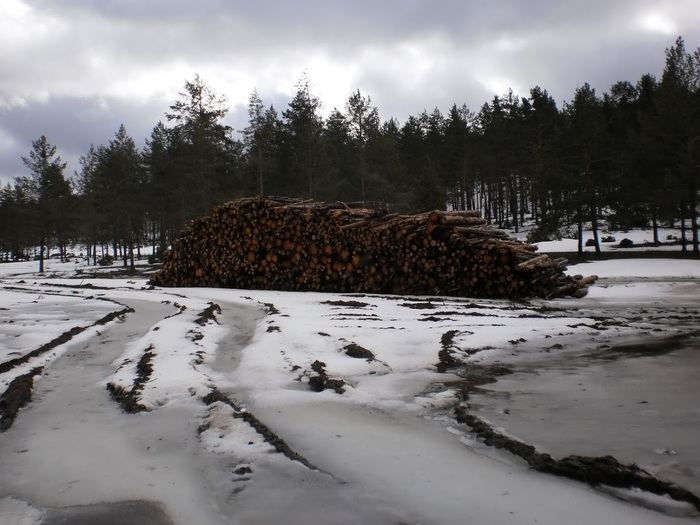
[[322, 381], [261, 428], [603, 470], [85, 286], [349, 304], [17, 395], [129, 399], [358, 352], [61, 339], [208, 314]]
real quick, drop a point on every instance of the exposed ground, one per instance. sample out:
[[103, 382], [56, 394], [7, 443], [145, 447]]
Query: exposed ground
[[234, 420]]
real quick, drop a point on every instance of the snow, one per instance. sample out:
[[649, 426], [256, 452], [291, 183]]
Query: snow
[[661, 503], [623, 402], [637, 236], [636, 268], [17, 512], [176, 348], [31, 319], [387, 449]]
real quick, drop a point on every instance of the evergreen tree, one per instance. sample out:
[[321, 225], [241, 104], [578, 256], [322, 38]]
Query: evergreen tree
[[673, 126], [49, 193], [363, 122], [120, 183], [261, 140], [161, 187], [542, 136], [457, 165], [589, 158], [302, 138], [200, 145], [339, 159]]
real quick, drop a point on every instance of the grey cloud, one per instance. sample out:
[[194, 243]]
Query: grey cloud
[[81, 67], [72, 124]]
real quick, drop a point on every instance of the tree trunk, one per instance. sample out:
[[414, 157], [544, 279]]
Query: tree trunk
[[655, 226], [153, 238], [594, 225], [41, 255], [261, 189], [514, 205], [694, 218], [579, 220], [684, 248]]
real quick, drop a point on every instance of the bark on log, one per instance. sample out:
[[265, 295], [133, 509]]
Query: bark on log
[[285, 244]]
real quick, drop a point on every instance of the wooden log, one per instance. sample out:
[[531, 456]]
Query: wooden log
[[289, 244]]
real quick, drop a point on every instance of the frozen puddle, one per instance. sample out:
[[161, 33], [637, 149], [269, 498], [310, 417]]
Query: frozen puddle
[[17, 512], [639, 403], [120, 513]]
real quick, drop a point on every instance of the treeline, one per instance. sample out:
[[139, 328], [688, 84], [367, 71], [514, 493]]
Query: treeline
[[630, 156]]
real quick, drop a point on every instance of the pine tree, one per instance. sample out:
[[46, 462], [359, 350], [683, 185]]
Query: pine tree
[[340, 161], [201, 143], [363, 122], [542, 134], [261, 140], [120, 185], [589, 158], [49, 192], [302, 136], [160, 186], [457, 162]]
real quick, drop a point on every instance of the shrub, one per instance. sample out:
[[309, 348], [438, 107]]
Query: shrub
[[626, 243], [105, 260]]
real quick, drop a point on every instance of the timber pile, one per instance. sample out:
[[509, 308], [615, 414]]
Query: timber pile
[[285, 244]]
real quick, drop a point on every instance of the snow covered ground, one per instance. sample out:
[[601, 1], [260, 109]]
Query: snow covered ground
[[29, 320], [639, 268], [380, 447], [642, 238]]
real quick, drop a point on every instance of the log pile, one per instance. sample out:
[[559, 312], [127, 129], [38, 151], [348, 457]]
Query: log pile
[[285, 244]]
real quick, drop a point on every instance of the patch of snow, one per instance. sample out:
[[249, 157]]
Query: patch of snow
[[661, 503], [637, 236], [644, 268], [14, 511]]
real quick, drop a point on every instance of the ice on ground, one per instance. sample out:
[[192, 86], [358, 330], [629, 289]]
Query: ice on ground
[[28, 320], [178, 345], [661, 503], [14, 511], [389, 448], [616, 402]]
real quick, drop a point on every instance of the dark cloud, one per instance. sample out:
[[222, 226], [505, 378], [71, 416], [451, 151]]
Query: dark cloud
[[75, 69]]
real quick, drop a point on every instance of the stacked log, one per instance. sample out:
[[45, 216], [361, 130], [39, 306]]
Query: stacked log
[[285, 244]]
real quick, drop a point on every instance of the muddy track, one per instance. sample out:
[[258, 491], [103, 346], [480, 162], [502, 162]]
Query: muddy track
[[603, 470], [595, 471], [17, 395], [208, 314], [261, 428], [61, 339], [129, 399]]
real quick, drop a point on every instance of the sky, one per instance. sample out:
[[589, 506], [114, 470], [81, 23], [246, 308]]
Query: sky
[[74, 70]]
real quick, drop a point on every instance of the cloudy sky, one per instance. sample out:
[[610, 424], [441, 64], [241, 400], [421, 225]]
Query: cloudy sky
[[75, 69]]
